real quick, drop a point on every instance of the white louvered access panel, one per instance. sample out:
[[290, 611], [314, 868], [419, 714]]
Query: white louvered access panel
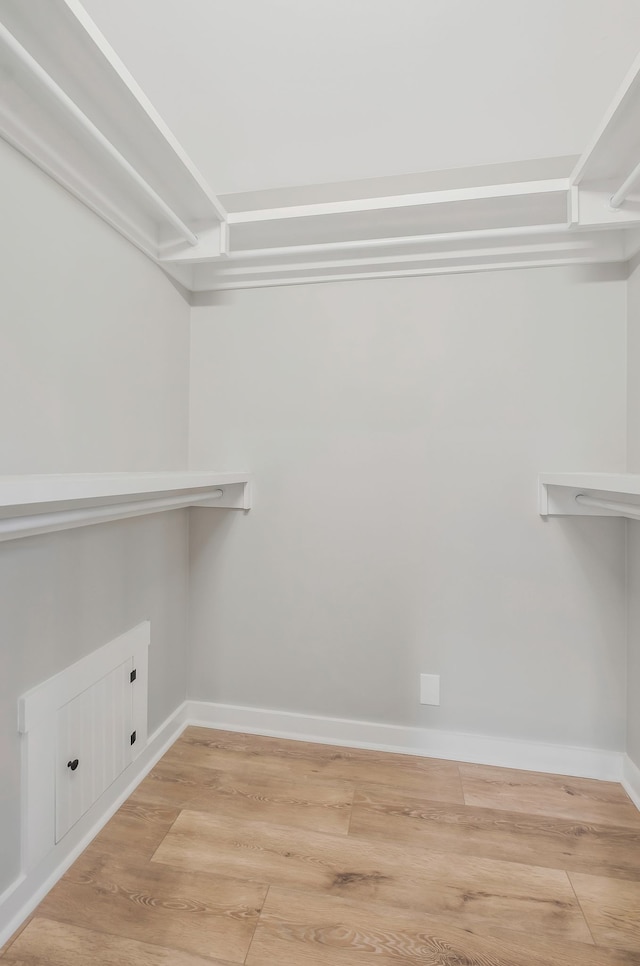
[[76, 730], [94, 745]]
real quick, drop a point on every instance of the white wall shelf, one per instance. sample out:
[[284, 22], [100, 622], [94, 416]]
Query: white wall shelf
[[606, 179], [31, 505], [69, 104], [589, 494]]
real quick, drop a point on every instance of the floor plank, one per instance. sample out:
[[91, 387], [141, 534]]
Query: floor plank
[[205, 915], [472, 890], [137, 828], [48, 943], [314, 930], [323, 806], [174, 784], [285, 853], [556, 843], [612, 908], [580, 799], [256, 755]]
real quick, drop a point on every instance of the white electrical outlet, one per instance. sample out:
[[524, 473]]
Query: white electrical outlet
[[429, 689]]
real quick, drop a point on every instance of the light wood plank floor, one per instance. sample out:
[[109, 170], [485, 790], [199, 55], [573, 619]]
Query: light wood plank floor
[[239, 849]]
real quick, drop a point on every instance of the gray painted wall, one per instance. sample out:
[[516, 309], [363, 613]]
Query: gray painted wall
[[633, 527], [93, 376], [396, 429]]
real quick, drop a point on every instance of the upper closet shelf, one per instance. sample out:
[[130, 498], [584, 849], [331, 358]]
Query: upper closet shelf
[[590, 494], [70, 105], [31, 505], [606, 180]]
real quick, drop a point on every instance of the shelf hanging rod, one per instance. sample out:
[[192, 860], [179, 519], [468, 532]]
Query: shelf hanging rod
[[33, 524], [625, 188], [72, 108], [624, 509]]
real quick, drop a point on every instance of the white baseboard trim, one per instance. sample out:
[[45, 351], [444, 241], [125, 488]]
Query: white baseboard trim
[[631, 780], [479, 749], [20, 899]]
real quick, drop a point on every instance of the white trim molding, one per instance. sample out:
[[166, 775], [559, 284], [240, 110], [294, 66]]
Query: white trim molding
[[631, 780], [577, 762]]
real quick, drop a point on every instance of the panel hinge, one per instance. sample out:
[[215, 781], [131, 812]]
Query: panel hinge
[[133, 676], [133, 737]]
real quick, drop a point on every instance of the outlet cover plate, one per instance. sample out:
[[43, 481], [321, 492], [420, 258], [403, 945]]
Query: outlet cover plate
[[430, 689]]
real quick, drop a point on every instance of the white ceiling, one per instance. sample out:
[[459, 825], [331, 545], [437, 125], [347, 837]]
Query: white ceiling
[[270, 93]]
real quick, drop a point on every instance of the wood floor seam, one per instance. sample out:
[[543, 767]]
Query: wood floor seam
[[582, 910], [256, 926]]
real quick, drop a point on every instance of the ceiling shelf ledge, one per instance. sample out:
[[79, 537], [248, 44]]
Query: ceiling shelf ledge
[[606, 180], [34, 505], [68, 103], [589, 494]]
